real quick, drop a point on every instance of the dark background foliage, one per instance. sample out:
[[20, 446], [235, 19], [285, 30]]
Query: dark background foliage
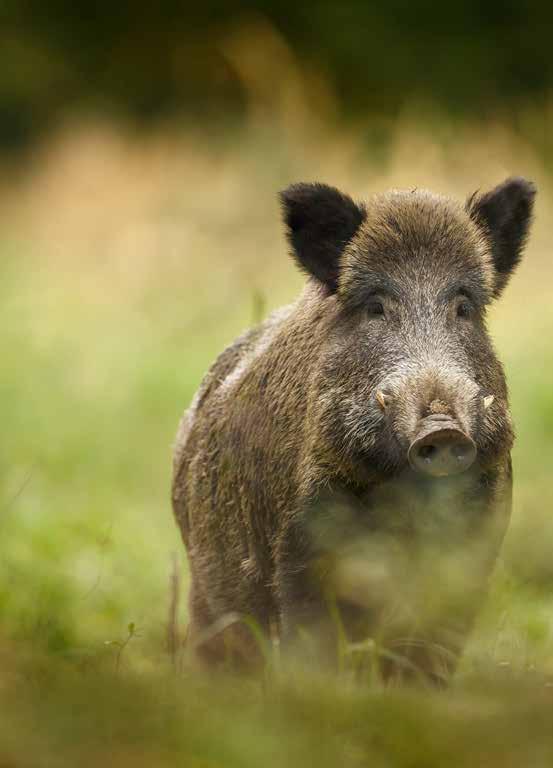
[[149, 61]]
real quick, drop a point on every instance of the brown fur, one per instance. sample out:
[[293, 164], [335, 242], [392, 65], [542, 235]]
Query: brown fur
[[285, 462]]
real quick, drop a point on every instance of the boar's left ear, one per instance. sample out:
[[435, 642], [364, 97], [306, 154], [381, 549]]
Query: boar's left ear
[[320, 221], [505, 214]]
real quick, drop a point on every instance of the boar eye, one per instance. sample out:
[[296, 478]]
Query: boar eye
[[375, 309], [464, 309]]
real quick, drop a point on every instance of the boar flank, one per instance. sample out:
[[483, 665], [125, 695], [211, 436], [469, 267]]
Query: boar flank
[[344, 469]]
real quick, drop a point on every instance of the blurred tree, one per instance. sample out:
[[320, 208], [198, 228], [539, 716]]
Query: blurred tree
[[145, 60]]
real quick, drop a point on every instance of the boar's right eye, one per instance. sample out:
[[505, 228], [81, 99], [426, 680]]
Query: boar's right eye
[[375, 309]]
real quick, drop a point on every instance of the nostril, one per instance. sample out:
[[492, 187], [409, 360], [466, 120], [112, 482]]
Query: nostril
[[427, 452], [462, 451]]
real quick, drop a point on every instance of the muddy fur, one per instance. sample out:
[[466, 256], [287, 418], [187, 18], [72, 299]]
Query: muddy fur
[[291, 480]]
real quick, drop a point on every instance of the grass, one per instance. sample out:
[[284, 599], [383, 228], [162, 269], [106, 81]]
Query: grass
[[126, 266], [64, 716]]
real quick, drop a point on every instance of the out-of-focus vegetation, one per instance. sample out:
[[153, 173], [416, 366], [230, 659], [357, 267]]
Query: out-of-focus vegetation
[[130, 259], [63, 716], [150, 61]]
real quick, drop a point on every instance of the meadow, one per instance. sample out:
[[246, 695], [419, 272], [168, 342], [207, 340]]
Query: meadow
[[128, 262]]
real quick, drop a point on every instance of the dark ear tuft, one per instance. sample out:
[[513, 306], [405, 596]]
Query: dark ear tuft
[[320, 221], [505, 213]]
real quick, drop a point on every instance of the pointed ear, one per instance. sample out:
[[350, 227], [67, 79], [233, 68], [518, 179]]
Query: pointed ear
[[320, 222], [505, 214]]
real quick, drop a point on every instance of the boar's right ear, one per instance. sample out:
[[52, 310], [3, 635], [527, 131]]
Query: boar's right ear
[[320, 221], [505, 213]]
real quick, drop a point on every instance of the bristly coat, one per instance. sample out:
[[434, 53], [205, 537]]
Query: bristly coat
[[295, 447]]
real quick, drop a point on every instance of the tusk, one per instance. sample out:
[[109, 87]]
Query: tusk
[[488, 401], [381, 397]]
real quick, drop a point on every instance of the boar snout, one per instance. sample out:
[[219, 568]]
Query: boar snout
[[441, 448]]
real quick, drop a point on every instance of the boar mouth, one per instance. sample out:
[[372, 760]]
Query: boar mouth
[[441, 448]]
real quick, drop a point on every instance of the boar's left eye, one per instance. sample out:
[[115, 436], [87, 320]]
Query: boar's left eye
[[464, 309]]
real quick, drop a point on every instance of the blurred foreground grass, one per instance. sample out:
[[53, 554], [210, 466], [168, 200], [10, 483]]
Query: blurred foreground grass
[[126, 266], [60, 716]]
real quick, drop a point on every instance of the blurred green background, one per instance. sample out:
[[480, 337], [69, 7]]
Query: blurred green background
[[142, 148]]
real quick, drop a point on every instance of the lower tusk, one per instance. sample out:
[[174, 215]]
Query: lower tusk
[[488, 401], [381, 397]]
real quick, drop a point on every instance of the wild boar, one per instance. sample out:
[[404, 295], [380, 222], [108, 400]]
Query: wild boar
[[343, 473]]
